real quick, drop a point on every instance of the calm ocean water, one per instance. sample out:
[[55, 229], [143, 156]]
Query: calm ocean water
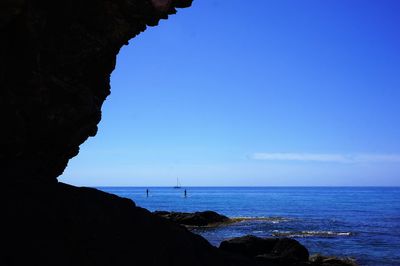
[[359, 222]]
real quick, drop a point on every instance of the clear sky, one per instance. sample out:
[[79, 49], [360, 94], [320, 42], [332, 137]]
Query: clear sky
[[264, 93]]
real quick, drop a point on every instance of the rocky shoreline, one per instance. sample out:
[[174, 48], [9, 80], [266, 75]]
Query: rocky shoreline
[[59, 224], [266, 251]]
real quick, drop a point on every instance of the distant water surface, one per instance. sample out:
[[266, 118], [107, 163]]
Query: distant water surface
[[359, 222]]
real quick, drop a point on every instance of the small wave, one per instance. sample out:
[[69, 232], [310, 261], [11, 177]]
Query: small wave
[[311, 234], [273, 220]]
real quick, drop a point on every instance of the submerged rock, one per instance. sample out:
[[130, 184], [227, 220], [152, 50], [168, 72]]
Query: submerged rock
[[205, 218]]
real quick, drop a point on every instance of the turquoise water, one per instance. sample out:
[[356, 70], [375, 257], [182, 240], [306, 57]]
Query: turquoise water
[[359, 222]]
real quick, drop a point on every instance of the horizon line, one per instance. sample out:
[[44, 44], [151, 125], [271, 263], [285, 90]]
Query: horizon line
[[272, 186]]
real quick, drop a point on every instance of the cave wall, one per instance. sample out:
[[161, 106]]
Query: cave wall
[[56, 58]]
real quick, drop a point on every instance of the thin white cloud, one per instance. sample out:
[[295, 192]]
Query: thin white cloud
[[393, 158], [328, 157]]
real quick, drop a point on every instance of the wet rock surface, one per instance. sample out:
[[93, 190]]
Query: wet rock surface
[[205, 218]]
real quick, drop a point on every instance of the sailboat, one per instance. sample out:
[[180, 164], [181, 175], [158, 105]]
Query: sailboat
[[178, 184]]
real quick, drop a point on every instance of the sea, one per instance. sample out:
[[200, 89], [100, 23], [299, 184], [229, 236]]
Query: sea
[[358, 222]]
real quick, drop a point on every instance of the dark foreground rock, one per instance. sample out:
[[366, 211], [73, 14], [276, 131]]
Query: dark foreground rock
[[205, 218], [279, 252], [62, 225]]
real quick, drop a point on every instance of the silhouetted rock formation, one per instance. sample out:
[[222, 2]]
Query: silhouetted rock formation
[[205, 218], [55, 63], [58, 224]]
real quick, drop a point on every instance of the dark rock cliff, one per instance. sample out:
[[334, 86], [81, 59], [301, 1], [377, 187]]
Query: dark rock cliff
[[56, 58]]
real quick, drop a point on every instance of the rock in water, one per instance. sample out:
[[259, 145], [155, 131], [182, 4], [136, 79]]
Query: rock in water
[[205, 218], [279, 252], [319, 260], [282, 251]]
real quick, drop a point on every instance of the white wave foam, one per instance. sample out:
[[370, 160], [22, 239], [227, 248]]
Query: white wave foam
[[310, 233], [273, 220]]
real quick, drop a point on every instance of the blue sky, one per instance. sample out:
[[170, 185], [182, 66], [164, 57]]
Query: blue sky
[[268, 94]]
